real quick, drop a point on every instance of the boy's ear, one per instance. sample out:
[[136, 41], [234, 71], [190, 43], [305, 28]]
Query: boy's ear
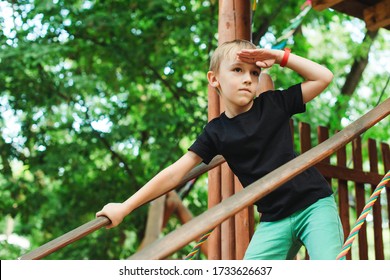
[[213, 81]]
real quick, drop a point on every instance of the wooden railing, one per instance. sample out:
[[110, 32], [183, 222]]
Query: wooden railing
[[162, 248]]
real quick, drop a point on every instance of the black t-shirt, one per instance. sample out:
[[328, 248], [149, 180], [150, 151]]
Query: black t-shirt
[[257, 142]]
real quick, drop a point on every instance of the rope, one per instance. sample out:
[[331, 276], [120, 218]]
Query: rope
[[355, 230], [196, 249]]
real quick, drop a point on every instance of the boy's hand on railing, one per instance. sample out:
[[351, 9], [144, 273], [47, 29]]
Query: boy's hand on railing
[[116, 212]]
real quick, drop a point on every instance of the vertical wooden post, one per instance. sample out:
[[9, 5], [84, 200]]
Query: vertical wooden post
[[305, 143], [244, 225], [343, 196], [234, 23], [304, 136], [376, 209], [154, 223], [214, 188], [323, 134], [360, 197]]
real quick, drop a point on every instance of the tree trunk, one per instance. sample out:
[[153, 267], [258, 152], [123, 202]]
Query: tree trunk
[[266, 22], [353, 79], [359, 64]]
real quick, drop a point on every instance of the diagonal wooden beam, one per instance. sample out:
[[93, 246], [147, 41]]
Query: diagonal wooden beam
[[154, 222]]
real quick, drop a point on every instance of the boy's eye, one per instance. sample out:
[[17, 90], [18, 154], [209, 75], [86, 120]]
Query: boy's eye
[[237, 69], [256, 73]]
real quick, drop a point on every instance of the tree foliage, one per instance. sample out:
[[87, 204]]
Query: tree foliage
[[98, 96]]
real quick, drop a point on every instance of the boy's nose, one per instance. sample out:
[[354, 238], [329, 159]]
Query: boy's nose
[[247, 79]]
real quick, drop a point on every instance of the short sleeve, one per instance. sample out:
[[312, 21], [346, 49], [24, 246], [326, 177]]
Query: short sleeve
[[205, 145], [290, 100]]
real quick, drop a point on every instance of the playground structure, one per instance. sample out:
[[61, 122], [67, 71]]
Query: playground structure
[[231, 233], [164, 247]]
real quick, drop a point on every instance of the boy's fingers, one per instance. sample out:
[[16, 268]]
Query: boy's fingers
[[248, 50], [250, 59], [100, 213], [245, 55]]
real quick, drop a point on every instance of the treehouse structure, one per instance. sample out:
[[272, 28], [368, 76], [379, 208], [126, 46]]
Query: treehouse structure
[[231, 216]]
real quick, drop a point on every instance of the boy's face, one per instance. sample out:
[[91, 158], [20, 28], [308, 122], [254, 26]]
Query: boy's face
[[236, 81]]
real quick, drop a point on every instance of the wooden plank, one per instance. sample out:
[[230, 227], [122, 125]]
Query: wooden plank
[[66, 239], [214, 216], [243, 30], [304, 136], [344, 173], [376, 209], [292, 131], [154, 221], [320, 5], [173, 203], [184, 214], [351, 7], [378, 15], [226, 21], [228, 226], [170, 208], [234, 20], [360, 198], [242, 223], [214, 198], [243, 19], [323, 134], [343, 196], [234, 23], [214, 182], [228, 250]]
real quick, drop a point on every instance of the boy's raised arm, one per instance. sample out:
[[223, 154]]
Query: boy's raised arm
[[317, 77], [163, 182]]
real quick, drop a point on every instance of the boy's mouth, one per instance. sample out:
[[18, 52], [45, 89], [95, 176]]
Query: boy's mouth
[[245, 89]]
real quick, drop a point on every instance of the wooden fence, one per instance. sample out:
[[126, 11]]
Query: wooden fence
[[353, 181]]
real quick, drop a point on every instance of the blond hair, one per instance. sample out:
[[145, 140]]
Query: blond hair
[[227, 49]]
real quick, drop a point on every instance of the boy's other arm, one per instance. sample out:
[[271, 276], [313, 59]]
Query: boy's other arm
[[163, 182]]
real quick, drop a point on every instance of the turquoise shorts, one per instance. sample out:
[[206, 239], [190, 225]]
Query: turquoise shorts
[[317, 227]]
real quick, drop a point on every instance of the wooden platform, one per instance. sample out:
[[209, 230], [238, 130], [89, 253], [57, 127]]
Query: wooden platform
[[375, 13]]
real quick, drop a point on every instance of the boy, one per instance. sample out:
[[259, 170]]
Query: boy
[[253, 135]]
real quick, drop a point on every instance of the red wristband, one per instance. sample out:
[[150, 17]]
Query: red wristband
[[287, 52]]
